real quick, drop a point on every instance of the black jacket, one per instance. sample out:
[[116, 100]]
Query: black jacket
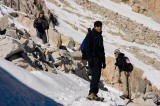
[[94, 45], [120, 61], [41, 24]]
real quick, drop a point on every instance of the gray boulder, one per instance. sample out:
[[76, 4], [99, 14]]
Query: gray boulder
[[7, 46], [151, 95]]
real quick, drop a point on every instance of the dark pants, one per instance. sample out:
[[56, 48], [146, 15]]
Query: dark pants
[[95, 68], [43, 36]]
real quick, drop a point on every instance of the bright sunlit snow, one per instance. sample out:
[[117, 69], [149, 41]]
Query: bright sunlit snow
[[110, 42], [125, 10], [48, 89]]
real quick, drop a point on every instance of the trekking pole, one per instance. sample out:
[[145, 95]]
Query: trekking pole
[[127, 78], [118, 85], [119, 89], [48, 35], [113, 75]]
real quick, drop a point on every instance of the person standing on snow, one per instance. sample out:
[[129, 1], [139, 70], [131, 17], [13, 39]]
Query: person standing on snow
[[95, 56]]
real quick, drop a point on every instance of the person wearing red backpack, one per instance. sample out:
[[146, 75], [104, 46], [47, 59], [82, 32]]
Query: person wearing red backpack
[[125, 68]]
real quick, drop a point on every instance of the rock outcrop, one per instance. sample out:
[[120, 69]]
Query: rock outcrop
[[147, 7]]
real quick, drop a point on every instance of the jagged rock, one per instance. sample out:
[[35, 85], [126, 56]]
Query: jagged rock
[[148, 87], [130, 38], [82, 73], [156, 64], [56, 55], [7, 45], [4, 22], [136, 8], [23, 41], [66, 40], [23, 64], [14, 14], [77, 55], [71, 44], [150, 102], [67, 63], [27, 22], [151, 95], [55, 38], [51, 49], [12, 33], [139, 100]]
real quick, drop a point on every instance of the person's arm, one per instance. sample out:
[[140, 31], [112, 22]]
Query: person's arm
[[35, 23], [104, 58]]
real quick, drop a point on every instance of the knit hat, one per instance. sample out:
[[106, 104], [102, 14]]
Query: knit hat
[[97, 23], [41, 12], [117, 51]]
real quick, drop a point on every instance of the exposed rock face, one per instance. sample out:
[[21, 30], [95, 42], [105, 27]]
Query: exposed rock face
[[4, 22], [7, 45], [27, 6], [134, 32], [147, 7], [152, 7], [55, 38], [23, 64], [28, 23]]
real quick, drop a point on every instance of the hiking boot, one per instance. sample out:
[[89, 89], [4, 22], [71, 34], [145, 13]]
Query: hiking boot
[[92, 96]]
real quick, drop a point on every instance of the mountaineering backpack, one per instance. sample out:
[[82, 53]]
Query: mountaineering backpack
[[82, 47], [127, 65]]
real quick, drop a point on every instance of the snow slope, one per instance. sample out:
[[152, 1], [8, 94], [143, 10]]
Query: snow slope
[[37, 88], [20, 87], [110, 42], [125, 10]]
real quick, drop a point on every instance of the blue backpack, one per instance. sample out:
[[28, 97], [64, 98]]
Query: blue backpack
[[82, 47]]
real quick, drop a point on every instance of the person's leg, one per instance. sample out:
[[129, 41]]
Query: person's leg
[[44, 38], [99, 73], [38, 35], [129, 86], [125, 85], [119, 76], [96, 72]]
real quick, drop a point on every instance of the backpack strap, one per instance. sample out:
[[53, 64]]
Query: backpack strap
[[90, 33]]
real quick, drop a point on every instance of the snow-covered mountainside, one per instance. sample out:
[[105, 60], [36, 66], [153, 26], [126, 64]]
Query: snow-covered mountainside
[[136, 35], [81, 18], [22, 88]]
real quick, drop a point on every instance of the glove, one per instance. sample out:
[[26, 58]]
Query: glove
[[104, 63]]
